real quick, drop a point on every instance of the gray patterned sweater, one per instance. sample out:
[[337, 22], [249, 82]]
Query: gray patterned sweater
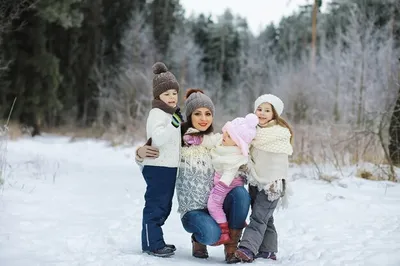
[[195, 178]]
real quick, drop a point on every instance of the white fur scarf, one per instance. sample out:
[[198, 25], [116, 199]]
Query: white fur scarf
[[225, 158]]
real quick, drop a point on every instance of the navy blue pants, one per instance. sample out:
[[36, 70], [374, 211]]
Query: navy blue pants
[[158, 203]]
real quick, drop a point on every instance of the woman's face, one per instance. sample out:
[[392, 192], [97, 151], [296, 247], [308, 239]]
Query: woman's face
[[202, 119]]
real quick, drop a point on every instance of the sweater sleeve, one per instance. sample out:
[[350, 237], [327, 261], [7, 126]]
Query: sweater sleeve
[[229, 173], [211, 140], [228, 176], [159, 130]]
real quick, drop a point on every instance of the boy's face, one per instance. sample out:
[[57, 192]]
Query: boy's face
[[170, 97], [227, 140], [264, 113]]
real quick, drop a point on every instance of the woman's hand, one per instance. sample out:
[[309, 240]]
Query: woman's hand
[[147, 152]]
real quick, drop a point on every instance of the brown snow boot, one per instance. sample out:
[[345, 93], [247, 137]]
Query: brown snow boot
[[231, 247], [199, 250]]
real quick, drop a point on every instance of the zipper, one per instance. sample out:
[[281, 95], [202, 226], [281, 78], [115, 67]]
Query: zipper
[[147, 236]]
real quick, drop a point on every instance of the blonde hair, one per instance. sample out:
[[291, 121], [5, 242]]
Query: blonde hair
[[282, 122]]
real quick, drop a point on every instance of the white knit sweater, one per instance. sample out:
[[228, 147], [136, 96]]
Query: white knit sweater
[[269, 165], [165, 137]]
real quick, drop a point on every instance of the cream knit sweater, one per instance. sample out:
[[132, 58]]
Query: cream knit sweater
[[269, 165]]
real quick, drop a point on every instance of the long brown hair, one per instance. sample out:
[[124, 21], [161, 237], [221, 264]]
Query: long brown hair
[[282, 122]]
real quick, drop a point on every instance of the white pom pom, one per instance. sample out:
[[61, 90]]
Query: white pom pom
[[251, 120]]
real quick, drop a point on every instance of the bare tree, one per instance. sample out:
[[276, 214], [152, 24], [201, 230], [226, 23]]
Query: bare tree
[[128, 100], [125, 94], [340, 112], [185, 56], [394, 128]]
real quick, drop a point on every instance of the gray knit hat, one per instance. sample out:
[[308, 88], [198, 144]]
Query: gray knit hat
[[163, 80], [197, 99]]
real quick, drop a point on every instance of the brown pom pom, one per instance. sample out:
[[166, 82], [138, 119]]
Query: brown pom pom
[[190, 91], [159, 67]]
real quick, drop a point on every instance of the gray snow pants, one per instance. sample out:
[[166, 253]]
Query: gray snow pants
[[260, 235]]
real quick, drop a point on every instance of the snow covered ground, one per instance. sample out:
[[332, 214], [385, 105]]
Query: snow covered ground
[[80, 203]]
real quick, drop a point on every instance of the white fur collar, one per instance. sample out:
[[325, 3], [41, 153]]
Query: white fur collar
[[227, 157]]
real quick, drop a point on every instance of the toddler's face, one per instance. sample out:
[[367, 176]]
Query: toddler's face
[[264, 113], [227, 140], [170, 97]]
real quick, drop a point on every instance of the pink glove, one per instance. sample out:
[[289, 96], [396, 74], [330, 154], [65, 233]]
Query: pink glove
[[216, 201], [192, 140]]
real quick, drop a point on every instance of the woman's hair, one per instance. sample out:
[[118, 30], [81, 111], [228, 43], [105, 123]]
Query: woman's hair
[[191, 90], [282, 122]]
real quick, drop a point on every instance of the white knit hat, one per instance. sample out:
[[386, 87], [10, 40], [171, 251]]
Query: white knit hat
[[272, 99]]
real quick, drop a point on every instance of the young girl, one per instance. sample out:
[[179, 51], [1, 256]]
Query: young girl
[[268, 171], [227, 157], [163, 131]]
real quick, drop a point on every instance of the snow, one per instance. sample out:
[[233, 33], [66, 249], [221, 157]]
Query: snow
[[80, 203]]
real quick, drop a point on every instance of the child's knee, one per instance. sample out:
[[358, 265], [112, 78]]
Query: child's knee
[[240, 193]]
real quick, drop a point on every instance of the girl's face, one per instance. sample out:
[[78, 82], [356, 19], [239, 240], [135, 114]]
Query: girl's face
[[264, 113], [227, 140], [202, 118], [170, 97]]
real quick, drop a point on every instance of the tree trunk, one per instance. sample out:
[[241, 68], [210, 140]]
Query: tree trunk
[[314, 35], [361, 94]]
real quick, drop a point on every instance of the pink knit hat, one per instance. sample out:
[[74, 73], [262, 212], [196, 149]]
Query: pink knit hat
[[242, 131]]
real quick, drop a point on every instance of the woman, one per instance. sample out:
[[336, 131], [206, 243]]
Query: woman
[[195, 181]]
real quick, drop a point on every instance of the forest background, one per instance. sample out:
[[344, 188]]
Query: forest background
[[83, 68]]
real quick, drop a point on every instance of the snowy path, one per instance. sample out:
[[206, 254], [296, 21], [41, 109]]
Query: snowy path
[[80, 204]]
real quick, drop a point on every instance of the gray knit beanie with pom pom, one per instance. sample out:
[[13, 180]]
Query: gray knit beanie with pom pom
[[163, 80], [195, 98]]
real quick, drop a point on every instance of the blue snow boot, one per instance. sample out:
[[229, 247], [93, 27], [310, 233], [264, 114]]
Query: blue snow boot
[[164, 252], [244, 254], [266, 255], [171, 247]]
